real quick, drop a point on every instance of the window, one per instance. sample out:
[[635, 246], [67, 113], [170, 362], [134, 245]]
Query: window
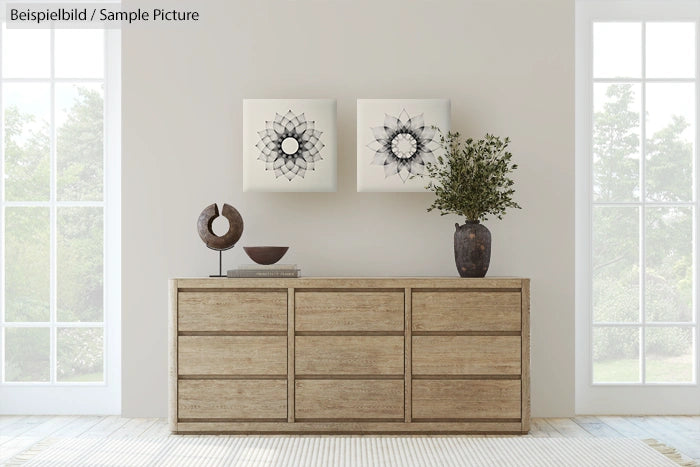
[[59, 190], [637, 100]]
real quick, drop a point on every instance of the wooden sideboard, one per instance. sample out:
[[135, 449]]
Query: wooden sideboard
[[350, 355]]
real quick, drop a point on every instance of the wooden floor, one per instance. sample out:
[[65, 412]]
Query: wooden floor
[[18, 433]]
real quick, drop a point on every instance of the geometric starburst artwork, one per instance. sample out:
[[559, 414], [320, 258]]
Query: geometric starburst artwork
[[396, 138], [289, 145], [403, 145]]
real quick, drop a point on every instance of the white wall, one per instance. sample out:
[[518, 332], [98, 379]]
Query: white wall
[[507, 66]]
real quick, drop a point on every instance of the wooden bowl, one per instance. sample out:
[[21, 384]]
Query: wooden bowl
[[266, 254]]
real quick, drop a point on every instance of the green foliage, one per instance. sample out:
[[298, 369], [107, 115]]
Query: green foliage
[[79, 265], [616, 147], [79, 149], [27, 354], [79, 354], [27, 272], [471, 179], [26, 157], [669, 163]]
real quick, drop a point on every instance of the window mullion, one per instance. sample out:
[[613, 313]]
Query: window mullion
[[681, 324], [639, 80], [642, 213], [696, 173], [2, 221], [52, 216], [54, 79], [106, 363]]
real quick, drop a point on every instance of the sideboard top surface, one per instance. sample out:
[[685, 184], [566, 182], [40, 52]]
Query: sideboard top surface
[[352, 282]]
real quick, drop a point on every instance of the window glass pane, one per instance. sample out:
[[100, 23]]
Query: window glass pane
[[616, 142], [669, 264], [79, 145], [617, 50], [615, 264], [669, 355], [26, 110], [80, 354], [615, 355], [27, 263], [26, 53], [79, 53], [79, 264], [670, 129], [670, 50], [27, 354]]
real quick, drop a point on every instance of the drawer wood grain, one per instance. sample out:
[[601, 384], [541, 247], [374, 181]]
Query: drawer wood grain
[[232, 311], [211, 399], [466, 399], [466, 311], [232, 355], [349, 355], [349, 311], [466, 355], [349, 399]]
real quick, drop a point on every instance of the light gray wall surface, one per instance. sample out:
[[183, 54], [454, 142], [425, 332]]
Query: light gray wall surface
[[507, 66]]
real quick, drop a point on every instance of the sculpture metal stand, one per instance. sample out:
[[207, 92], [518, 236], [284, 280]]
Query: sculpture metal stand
[[226, 241]]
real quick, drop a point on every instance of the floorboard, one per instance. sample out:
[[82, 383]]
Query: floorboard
[[24, 424], [597, 428], [105, 427], [78, 426], [133, 428], [37, 432], [568, 428], [625, 427]]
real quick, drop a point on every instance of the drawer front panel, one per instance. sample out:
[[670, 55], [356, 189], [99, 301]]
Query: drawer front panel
[[349, 399], [349, 355], [232, 311], [349, 311], [232, 355], [466, 311], [241, 399], [460, 399], [466, 355]]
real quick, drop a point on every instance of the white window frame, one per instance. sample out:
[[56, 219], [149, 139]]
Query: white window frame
[[622, 398], [79, 398]]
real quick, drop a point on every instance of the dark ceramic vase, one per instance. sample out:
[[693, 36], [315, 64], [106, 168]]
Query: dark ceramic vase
[[472, 249]]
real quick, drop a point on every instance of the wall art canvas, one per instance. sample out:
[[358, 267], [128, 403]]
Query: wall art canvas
[[289, 145], [395, 139]]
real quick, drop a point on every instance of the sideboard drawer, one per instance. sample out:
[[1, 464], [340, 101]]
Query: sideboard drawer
[[349, 355], [232, 311], [232, 355], [466, 311], [466, 355], [460, 399], [227, 399], [349, 311], [349, 399]]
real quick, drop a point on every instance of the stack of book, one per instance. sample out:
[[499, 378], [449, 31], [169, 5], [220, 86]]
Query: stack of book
[[259, 270]]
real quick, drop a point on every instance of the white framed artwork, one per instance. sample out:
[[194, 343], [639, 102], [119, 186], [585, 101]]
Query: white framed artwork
[[289, 145], [395, 139]]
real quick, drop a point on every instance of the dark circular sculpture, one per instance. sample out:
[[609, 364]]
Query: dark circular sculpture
[[265, 254], [235, 227]]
